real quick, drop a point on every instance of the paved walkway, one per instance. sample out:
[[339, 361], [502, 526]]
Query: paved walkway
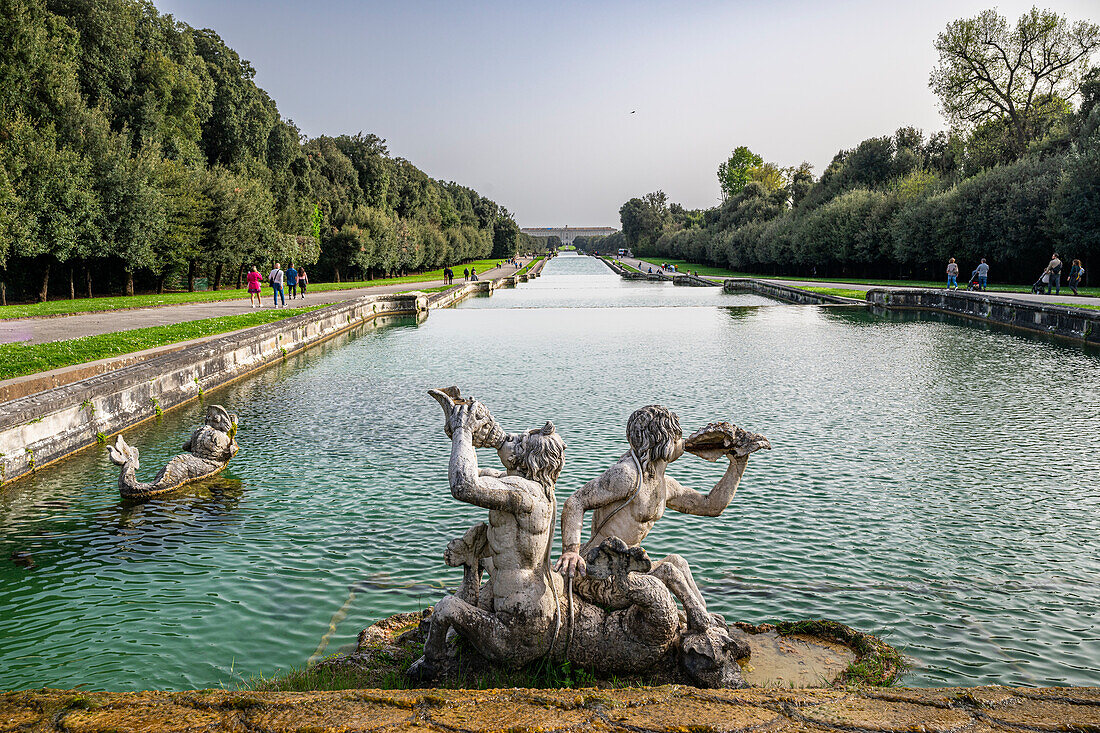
[[638, 710], [1066, 296], [42, 330]]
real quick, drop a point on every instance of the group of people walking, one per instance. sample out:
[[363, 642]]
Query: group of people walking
[[979, 278], [1050, 280], [293, 278], [469, 274]]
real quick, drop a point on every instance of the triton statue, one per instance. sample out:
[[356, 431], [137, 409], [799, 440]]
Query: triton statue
[[623, 617], [209, 450], [518, 619]]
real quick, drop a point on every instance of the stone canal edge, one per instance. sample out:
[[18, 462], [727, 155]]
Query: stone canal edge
[[670, 708]]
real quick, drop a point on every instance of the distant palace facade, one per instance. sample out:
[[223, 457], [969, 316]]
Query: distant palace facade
[[568, 234]]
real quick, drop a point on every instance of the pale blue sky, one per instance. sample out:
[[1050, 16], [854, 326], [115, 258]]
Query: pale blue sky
[[530, 102]]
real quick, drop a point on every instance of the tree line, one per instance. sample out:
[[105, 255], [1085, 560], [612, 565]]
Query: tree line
[[1016, 177], [137, 152]]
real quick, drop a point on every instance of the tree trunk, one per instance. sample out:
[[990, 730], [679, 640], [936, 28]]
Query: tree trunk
[[190, 276], [129, 281], [88, 278], [337, 274], [3, 293], [160, 283], [45, 291], [72, 285], [218, 276], [240, 275]]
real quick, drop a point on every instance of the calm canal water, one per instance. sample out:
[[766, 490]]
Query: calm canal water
[[931, 482]]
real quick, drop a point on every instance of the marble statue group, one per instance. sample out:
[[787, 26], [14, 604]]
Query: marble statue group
[[605, 605]]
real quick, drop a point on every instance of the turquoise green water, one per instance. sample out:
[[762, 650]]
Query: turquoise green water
[[930, 482]]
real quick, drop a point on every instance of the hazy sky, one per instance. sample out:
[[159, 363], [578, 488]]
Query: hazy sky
[[531, 103]]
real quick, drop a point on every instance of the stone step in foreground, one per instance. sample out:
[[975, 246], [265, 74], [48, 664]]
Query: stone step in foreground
[[670, 708]]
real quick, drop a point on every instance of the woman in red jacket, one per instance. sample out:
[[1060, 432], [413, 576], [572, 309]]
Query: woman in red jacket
[[254, 279]]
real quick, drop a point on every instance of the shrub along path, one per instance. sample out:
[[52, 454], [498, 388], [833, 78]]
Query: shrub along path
[[1007, 291], [43, 330]]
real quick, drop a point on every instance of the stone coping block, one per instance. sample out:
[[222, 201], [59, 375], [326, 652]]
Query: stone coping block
[[1078, 324], [671, 708], [785, 293]]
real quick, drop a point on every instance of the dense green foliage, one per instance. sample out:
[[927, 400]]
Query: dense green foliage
[[900, 205], [136, 151]]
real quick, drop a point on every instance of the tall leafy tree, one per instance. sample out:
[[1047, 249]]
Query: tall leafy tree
[[990, 70], [733, 173]]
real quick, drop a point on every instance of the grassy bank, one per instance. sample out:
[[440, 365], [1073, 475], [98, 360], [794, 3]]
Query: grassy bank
[[839, 292], [708, 271], [17, 360], [107, 303]]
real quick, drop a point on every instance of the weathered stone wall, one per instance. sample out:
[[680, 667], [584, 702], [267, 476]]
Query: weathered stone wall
[[690, 280], [672, 708], [41, 428], [1079, 324], [784, 293]]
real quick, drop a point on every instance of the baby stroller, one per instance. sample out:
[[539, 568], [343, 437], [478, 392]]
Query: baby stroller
[[974, 283], [1042, 283]]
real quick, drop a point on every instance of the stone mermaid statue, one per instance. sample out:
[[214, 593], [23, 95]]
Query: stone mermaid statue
[[208, 452]]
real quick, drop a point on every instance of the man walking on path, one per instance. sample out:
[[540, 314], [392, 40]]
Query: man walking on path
[[1055, 268], [292, 281], [952, 274], [466, 274], [983, 274], [277, 277]]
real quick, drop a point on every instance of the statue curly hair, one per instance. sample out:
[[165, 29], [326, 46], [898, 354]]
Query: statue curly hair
[[542, 456], [653, 431]]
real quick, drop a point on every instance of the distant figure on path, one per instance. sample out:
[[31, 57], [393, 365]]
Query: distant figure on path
[[1076, 274], [254, 278], [473, 274], [303, 280], [292, 281], [466, 274], [447, 275], [277, 277], [983, 274], [952, 274], [1055, 282]]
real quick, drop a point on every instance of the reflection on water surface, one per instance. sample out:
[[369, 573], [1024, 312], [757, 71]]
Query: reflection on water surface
[[929, 482]]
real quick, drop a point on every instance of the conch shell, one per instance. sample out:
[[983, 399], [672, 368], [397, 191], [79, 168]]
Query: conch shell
[[490, 435], [721, 438]]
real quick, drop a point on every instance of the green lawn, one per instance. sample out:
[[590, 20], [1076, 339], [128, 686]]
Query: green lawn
[[708, 271], [17, 360], [89, 305], [1078, 305], [839, 292]]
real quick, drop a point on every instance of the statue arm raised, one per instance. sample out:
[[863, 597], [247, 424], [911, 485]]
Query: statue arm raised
[[468, 486], [689, 501]]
